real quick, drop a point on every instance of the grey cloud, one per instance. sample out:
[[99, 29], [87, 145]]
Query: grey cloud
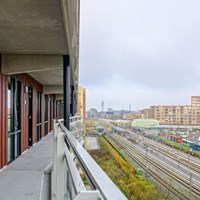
[[151, 44]]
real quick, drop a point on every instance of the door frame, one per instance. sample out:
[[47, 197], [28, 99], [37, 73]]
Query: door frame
[[30, 116]]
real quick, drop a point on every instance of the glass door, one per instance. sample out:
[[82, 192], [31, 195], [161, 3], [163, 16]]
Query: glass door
[[46, 115], [38, 126], [14, 118]]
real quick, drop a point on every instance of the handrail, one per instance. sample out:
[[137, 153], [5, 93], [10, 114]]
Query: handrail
[[95, 175], [76, 179], [66, 181]]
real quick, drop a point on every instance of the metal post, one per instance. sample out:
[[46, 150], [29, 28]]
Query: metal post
[[58, 190], [66, 90], [75, 104], [55, 132], [72, 100]]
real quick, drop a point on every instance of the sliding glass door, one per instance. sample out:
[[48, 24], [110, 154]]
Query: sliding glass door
[[14, 118], [46, 115], [39, 119]]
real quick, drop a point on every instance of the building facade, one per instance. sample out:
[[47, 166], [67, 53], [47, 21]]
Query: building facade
[[81, 105], [176, 114], [92, 113], [146, 113], [38, 71]]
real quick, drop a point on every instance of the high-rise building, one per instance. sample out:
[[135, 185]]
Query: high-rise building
[[176, 114], [102, 105], [81, 106]]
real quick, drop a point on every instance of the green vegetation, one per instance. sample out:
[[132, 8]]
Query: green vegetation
[[180, 146], [90, 126], [104, 124], [123, 174]]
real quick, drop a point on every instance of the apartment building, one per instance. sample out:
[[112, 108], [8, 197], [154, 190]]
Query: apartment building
[[81, 105], [38, 71], [146, 113], [176, 114]]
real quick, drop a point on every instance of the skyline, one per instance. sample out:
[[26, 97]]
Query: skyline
[[128, 107], [139, 52]]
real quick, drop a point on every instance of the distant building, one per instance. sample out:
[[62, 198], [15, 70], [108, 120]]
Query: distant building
[[110, 110], [146, 113], [93, 113], [81, 106], [145, 123], [176, 114], [102, 105], [130, 107], [132, 115]]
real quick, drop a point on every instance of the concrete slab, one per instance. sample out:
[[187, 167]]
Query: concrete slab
[[91, 143], [22, 179]]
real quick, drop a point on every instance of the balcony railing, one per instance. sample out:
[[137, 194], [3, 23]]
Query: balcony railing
[[68, 160], [76, 128]]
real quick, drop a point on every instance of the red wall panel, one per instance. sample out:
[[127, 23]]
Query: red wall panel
[[42, 110], [26, 80], [3, 121]]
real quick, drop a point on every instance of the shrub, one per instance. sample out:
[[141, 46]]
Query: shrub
[[123, 174]]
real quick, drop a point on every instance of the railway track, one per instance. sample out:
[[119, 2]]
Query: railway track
[[167, 152], [142, 159]]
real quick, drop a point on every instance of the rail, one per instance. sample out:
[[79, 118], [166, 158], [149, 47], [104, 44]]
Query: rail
[[152, 166], [76, 128], [68, 160]]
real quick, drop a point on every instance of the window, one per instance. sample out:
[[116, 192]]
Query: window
[[46, 115], [38, 126], [14, 117]]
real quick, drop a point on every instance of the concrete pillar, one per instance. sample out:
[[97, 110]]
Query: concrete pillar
[[72, 101], [66, 90]]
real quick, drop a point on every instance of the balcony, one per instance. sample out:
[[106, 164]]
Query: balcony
[[39, 53], [50, 170]]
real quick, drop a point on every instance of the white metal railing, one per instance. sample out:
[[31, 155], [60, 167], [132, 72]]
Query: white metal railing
[[75, 118], [69, 156], [76, 128]]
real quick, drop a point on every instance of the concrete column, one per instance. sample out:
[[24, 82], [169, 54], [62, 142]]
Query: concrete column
[[72, 100], [75, 104], [66, 90]]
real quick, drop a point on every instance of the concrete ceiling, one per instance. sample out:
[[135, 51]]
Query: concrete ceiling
[[49, 77], [32, 26], [32, 30]]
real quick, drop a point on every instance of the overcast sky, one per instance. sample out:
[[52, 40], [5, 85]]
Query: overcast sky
[[139, 52]]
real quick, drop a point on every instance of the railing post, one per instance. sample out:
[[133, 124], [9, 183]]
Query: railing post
[[58, 190]]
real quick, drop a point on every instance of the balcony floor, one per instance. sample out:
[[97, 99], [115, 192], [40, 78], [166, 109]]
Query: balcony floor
[[22, 179]]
